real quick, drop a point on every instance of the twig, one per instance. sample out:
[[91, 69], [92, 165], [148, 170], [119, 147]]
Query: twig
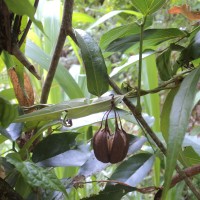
[[21, 57], [27, 27], [159, 144], [65, 29]]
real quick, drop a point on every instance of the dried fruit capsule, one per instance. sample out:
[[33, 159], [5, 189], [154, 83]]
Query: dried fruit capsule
[[120, 146], [100, 145]]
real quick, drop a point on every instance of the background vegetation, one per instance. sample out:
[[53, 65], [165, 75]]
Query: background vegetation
[[58, 71]]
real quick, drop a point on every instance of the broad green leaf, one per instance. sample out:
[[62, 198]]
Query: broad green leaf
[[96, 71], [122, 31], [8, 112], [112, 192], [147, 7], [2, 139], [24, 8], [62, 76], [151, 38], [134, 170], [53, 145], [34, 175], [179, 117], [113, 13], [73, 108], [165, 114], [164, 65]]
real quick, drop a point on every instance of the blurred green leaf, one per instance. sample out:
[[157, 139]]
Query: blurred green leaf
[[191, 157], [34, 175], [62, 76], [179, 117], [147, 7], [73, 108], [96, 71], [24, 8], [53, 145], [7, 94], [79, 17]]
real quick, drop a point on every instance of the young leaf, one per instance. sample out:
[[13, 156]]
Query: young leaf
[[147, 7], [96, 71], [34, 175], [179, 117], [53, 145]]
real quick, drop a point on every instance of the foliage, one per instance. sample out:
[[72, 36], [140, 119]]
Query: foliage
[[139, 58]]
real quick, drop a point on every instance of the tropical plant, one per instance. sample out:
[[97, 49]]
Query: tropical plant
[[108, 120]]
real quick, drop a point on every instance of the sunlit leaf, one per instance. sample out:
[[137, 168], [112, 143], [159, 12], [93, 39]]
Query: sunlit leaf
[[179, 117]]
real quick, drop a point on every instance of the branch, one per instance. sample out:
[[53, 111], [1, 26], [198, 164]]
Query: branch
[[65, 29], [159, 144]]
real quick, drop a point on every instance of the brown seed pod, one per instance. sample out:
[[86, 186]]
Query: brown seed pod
[[100, 145], [120, 146]]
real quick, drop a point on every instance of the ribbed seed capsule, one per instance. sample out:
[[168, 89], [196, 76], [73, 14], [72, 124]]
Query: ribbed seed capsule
[[120, 146], [100, 145]]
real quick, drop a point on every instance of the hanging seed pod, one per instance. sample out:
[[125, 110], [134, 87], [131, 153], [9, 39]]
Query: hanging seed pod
[[120, 146], [109, 147], [100, 145]]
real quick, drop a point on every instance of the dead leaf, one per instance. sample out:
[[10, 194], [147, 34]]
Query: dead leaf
[[25, 96], [185, 10]]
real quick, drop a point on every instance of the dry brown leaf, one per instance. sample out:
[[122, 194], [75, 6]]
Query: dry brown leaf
[[185, 10], [26, 97]]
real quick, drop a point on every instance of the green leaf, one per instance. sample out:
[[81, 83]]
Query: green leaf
[[34, 175], [53, 145], [7, 94], [112, 192], [191, 157], [96, 71], [122, 31], [164, 65], [134, 170], [74, 109], [8, 112], [24, 8], [151, 38], [165, 114], [179, 117], [147, 7], [62, 76]]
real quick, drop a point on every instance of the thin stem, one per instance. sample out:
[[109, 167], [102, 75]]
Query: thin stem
[[65, 29], [140, 64]]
